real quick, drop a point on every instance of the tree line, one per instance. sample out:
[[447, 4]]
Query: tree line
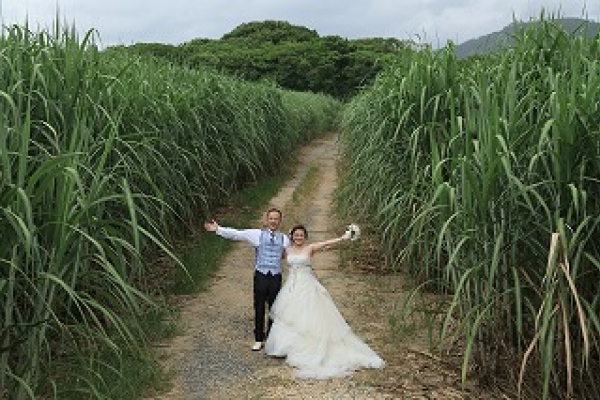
[[293, 57]]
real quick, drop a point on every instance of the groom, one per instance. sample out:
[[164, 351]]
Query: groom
[[269, 244]]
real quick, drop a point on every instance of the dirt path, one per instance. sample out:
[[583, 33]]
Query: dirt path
[[212, 358]]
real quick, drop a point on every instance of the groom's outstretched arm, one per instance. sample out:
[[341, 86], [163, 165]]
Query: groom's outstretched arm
[[251, 236]]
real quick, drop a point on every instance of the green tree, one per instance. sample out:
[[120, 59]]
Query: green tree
[[294, 57], [274, 32]]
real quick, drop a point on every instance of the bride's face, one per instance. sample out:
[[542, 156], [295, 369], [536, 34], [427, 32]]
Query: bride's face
[[299, 237]]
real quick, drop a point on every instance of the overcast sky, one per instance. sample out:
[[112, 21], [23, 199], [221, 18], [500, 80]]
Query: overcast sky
[[178, 21]]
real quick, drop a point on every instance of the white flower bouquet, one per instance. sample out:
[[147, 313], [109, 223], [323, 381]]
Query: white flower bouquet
[[353, 231]]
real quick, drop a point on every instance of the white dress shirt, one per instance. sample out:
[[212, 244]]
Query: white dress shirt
[[252, 236]]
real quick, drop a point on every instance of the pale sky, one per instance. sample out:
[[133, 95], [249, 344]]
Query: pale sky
[[178, 21]]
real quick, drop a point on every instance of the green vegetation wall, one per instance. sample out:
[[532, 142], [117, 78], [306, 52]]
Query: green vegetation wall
[[103, 157], [482, 178]]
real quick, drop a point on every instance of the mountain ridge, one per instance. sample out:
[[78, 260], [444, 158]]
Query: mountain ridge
[[494, 41]]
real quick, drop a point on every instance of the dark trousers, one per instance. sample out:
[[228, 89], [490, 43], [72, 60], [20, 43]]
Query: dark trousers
[[266, 287]]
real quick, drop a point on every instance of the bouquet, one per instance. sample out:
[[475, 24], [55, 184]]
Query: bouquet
[[353, 232]]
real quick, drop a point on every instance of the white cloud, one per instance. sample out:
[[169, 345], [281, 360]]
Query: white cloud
[[178, 21]]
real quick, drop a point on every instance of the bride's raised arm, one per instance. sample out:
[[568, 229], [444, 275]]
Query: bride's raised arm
[[314, 247]]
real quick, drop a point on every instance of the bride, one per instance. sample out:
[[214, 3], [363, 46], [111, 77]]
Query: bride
[[308, 330]]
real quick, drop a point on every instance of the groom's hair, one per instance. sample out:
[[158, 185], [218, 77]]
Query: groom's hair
[[277, 210]]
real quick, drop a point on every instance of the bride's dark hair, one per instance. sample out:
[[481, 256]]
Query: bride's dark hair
[[301, 227]]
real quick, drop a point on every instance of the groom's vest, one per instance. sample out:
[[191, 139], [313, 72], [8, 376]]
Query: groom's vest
[[269, 251]]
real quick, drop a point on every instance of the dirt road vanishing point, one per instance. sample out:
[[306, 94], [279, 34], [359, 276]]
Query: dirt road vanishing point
[[212, 359]]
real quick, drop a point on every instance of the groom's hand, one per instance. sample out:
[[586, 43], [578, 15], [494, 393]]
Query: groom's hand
[[211, 226]]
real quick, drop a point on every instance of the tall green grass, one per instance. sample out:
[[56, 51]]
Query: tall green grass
[[483, 178], [104, 158]]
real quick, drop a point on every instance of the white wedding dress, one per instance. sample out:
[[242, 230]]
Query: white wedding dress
[[309, 330]]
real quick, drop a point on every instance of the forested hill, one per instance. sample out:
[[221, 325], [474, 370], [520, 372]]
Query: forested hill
[[298, 58], [495, 41], [293, 57]]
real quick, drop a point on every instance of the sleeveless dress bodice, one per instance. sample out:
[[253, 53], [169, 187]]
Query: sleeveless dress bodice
[[298, 260]]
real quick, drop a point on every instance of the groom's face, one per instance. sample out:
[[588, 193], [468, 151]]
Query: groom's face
[[273, 220]]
